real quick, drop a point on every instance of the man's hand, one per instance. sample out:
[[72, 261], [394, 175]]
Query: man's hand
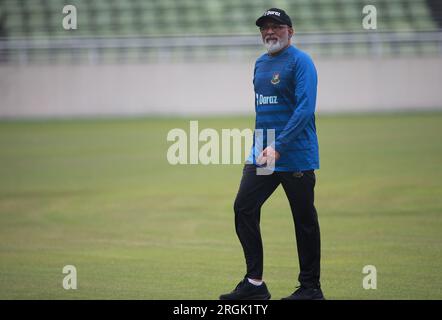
[[268, 155]]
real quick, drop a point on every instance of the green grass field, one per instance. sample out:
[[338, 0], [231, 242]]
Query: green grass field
[[100, 195]]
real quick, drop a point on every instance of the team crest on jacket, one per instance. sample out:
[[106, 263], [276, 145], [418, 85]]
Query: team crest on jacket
[[275, 79]]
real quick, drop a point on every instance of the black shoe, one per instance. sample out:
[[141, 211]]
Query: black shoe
[[247, 291], [303, 293]]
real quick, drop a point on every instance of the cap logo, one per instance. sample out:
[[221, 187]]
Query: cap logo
[[272, 13]]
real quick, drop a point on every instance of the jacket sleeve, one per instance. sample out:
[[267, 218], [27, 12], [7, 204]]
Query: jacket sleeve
[[305, 97]]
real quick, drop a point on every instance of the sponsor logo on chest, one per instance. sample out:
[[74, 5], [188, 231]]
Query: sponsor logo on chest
[[263, 100]]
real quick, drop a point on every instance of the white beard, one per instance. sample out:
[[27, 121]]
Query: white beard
[[275, 46]]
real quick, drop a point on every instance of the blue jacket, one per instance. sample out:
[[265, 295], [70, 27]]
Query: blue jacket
[[285, 100]]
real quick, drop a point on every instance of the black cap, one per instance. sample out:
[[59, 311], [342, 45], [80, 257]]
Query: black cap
[[275, 14]]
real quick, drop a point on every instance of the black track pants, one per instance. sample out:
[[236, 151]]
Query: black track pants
[[254, 190]]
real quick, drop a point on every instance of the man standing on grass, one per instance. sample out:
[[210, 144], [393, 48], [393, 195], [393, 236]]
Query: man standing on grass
[[285, 84]]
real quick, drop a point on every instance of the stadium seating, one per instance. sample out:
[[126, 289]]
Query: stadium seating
[[35, 19], [29, 18]]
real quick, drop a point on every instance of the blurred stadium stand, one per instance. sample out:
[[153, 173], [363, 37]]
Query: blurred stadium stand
[[196, 57], [116, 31]]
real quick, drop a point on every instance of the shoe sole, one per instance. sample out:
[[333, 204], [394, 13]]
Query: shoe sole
[[286, 299], [252, 298]]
